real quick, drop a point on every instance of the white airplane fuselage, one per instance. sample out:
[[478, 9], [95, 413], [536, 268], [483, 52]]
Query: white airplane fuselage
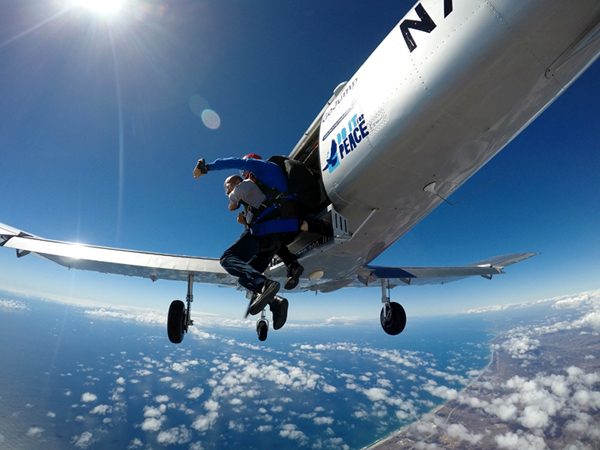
[[448, 88]]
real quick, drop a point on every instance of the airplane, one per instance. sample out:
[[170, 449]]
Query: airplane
[[450, 86]]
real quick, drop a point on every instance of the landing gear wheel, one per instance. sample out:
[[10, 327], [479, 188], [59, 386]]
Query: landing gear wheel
[[262, 328], [177, 322], [395, 321]]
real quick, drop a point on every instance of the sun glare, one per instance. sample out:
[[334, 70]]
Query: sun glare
[[102, 6]]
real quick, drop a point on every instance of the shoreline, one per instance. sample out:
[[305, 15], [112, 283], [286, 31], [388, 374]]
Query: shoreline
[[438, 408]]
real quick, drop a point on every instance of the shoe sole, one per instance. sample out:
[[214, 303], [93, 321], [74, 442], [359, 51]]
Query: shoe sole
[[282, 316], [263, 299]]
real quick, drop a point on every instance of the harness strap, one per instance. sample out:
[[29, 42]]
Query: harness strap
[[277, 202], [269, 191], [274, 226]]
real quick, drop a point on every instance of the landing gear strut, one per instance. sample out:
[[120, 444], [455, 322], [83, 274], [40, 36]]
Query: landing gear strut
[[180, 318], [393, 316]]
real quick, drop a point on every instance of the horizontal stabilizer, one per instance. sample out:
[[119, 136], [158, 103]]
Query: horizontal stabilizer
[[440, 275]]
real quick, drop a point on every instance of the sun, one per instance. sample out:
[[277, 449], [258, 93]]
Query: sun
[[102, 6]]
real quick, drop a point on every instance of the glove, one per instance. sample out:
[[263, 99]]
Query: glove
[[201, 168]]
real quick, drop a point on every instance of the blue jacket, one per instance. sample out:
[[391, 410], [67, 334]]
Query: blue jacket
[[267, 172]]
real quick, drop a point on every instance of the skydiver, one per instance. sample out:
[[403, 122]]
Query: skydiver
[[250, 255], [271, 175]]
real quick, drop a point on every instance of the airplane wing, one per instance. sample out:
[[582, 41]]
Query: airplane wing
[[158, 266], [155, 266]]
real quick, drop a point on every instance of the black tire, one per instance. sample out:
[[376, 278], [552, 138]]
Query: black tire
[[176, 322], [262, 328], [397, 320]]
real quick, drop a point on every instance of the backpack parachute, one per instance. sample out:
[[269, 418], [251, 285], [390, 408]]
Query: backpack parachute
[[281, 212], [301, 183]]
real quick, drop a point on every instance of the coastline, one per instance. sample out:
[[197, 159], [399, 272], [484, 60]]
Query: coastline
[[380, 442], [539, 390]]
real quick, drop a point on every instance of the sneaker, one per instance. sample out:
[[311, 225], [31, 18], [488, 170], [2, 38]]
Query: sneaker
[[265, 294], [279, 308], [293, 276]]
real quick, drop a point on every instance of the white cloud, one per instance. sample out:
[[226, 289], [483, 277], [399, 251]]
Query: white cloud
[[84, 440], [142, 316], [265, 428], [385, 383], [442, 391], [376, 394], [151, 424], [328, 389], [151, 411], [12, 304], [323, 420], [234, 426], [534, 417], [290, 431], [514, 441], [178, 367], [120, 380], [51, 414], [520, 345], [101, 409], [135, 443], [508, 440], [458, 431], [505, 411], [195, 392], [35, 431], [88, 397], [161, 399], [179, 435], [205, 422], [211, 405]]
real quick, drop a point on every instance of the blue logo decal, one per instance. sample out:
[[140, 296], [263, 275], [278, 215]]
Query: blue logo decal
[[347, 140]]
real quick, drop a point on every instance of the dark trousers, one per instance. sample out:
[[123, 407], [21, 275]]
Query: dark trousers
[[286, 256], [248, 257]]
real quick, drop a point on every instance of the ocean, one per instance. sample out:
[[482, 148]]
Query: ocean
[[76, 377]]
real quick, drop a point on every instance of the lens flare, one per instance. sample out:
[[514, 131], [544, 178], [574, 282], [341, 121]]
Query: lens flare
[[211, 119]]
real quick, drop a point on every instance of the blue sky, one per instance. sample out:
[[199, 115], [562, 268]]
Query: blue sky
[[98, 140]]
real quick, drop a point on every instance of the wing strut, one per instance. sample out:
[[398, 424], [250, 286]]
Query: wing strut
[[189, 299], [385, 298]]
